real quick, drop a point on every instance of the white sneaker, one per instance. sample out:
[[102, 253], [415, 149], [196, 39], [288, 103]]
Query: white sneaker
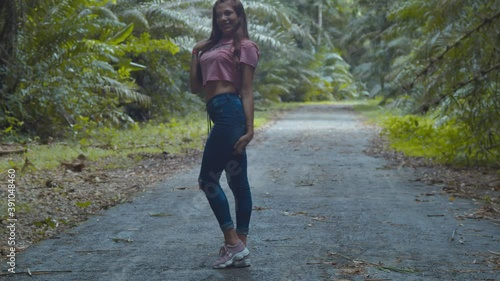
[[245, 262], [229, 254]]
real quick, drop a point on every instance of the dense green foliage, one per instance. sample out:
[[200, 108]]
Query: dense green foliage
[[72, 63], [74, 67], [453, 72], [437, 59], [417, 135]]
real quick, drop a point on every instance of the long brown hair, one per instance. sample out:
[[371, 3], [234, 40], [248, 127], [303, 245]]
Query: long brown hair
[[240, 33]]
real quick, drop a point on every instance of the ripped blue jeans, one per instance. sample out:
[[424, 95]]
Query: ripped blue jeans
[[226, 111]]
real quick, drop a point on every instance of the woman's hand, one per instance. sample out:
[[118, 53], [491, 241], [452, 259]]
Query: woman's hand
[[248, 107], [242, 143], [200, 45]]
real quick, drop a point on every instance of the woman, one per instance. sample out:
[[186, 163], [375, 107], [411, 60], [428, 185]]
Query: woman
[[222, 67]]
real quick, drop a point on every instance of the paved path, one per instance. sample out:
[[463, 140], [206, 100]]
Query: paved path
[[320, 204]]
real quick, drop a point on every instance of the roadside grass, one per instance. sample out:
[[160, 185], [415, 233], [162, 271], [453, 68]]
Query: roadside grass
[[111, 144], [442, 140]]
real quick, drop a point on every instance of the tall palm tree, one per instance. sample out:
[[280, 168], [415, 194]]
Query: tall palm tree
[[9, 13]]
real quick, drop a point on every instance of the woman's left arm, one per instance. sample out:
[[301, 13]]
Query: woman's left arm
[[247, 72]]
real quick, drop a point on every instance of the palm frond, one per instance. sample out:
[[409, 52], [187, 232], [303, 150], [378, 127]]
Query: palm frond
[[137, 18], [264, 13]]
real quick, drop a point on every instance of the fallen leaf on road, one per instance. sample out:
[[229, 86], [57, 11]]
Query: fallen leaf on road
[[319, 218], [379, 266], [352, 271], [322, 262], [160, 215], [128, 240], [297, 214]]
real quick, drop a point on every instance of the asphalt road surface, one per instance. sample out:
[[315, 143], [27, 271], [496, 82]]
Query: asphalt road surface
[[323, 210]]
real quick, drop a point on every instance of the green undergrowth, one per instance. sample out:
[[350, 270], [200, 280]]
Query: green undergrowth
[[174, 137], [113, 148], [443, 140]]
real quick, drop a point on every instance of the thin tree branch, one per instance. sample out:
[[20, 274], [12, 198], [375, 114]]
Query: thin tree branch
[[13, 151], [407, 87], [458, 86], [477, 77]]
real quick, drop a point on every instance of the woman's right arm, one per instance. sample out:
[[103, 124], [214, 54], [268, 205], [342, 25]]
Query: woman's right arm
[[195, 77]]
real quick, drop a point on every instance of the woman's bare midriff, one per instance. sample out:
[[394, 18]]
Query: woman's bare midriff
[[213, 88]]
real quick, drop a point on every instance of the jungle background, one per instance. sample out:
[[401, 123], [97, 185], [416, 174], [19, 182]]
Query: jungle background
[[95, 103]]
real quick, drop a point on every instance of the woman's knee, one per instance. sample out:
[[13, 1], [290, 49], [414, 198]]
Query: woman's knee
[[210, 188]]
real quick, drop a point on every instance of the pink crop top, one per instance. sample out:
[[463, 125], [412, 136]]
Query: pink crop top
[[218, 64]]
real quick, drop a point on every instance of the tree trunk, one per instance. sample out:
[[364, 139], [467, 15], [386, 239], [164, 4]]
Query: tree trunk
[[9, 21], [320, 21]]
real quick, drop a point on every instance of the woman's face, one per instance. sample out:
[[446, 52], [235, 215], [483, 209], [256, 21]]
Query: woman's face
[[227, 19]]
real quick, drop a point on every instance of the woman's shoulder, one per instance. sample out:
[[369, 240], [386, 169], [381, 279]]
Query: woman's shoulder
[[245, 42]]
